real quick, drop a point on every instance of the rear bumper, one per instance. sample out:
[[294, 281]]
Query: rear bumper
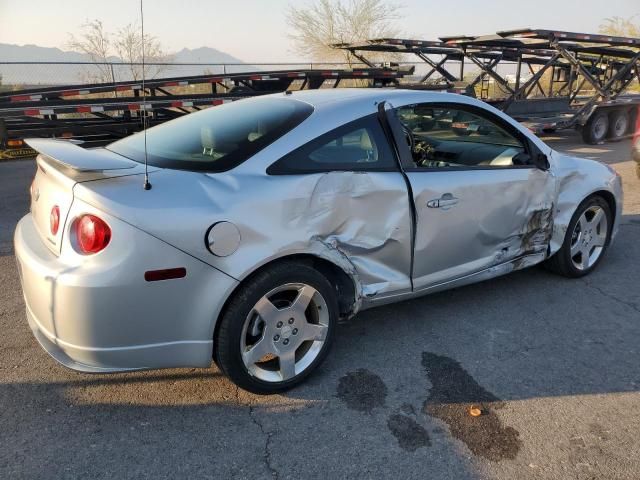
[[123, 359], [100, 315]]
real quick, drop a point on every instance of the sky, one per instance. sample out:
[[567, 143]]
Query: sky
[[256, 30]]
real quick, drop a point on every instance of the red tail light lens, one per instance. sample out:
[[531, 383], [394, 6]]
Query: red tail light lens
[[92, 233], [54, 220]]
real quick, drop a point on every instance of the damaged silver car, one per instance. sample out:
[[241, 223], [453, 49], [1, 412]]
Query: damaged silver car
[[269, 219]]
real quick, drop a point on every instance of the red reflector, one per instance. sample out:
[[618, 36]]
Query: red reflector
[[168, 274], [54, 220], [92, 234]]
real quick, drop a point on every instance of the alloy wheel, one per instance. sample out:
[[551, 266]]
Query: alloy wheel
[[284, 332], [589, 237]]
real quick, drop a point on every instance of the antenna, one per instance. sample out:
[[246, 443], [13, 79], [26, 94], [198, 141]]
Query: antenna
[[146, 185]]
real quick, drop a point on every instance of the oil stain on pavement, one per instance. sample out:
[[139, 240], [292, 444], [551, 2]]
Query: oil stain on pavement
[[450, 399], [362, 390], [410, 435]]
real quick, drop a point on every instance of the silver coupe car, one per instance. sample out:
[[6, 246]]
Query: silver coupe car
[[270, 219]]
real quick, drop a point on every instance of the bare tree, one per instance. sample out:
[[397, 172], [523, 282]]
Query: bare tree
[[94, 42], [104, 48], [325, 22], [128, 47], [624, 27]]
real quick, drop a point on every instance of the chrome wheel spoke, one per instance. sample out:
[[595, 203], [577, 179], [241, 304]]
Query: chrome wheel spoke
[[287, 365], [257, 351], [585, 254], [597, 218], [303, 299], [575, 249], [315, 332], [599, 240], [584, 223], [266, 309]]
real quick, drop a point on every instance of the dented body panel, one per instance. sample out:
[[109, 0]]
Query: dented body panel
[[483, 229], [375, 226], [578, 179]]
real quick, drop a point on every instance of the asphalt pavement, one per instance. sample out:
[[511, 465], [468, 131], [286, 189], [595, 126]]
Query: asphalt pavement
[[553, 365]]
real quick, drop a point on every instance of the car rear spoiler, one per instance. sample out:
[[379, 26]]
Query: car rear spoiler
[[71, 156]]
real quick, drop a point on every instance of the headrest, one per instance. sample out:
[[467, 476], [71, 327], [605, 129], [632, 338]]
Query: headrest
[[365, 141]]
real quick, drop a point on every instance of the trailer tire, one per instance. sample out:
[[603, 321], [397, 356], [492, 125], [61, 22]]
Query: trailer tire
[[595, 130], [619, 123]]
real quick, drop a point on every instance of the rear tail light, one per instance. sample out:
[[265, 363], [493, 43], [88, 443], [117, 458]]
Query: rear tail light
[[92, 234], [54, 220]]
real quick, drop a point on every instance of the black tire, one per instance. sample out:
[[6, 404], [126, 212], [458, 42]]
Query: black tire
[[619, 124], [596, 129], [561, 262], [227, 343]]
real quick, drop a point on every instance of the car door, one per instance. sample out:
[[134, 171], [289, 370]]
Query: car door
[[480, 202], [348, 193]]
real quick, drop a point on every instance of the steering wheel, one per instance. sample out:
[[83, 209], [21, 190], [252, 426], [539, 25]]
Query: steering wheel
[[411, 141]]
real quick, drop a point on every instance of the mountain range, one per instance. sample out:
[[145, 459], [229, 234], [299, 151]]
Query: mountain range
[[35, 74]]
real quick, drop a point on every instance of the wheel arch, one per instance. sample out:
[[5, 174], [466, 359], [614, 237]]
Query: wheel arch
[[562, 220], [348, 290]]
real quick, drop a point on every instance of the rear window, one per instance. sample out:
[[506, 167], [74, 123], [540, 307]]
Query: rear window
[[218, 138]]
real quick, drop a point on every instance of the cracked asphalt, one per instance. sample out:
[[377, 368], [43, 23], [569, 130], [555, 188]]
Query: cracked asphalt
[[551, 364]]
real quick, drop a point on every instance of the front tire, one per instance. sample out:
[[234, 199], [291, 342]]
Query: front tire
[[277, 328], [586, 240]]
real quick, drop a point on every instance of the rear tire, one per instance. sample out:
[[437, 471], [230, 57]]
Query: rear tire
[[277, 328], [619, 123], [586, 240], [596, 128]]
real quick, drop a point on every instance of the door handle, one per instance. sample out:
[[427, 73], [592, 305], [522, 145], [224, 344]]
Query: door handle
[[445, 202]]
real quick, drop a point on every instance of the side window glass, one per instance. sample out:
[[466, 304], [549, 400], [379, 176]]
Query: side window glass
[[450, 137], [356, 146]]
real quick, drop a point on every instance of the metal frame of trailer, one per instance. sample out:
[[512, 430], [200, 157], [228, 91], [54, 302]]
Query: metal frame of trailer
[[98, 113], [607, 64]]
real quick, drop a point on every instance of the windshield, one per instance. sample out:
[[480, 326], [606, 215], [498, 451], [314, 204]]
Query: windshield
[[218, 138]]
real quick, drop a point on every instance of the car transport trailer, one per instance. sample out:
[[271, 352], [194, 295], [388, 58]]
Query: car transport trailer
[[575, 80], [100, 113]]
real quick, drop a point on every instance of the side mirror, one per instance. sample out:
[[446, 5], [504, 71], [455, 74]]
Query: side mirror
[[521, 159], [538, 160], [541, 161]]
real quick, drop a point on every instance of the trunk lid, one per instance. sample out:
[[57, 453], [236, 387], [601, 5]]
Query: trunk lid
[[61, 165]]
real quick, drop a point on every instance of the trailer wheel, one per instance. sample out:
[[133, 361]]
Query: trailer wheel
[[618, 124], [596, 128]]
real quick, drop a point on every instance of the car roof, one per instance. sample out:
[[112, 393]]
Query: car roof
[[322, 96]]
